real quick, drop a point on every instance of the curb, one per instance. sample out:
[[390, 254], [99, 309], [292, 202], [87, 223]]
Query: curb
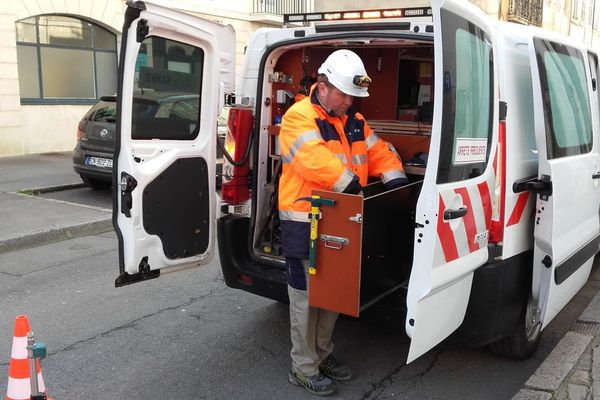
[[551, 376], [56, 234], [50, 189], [560, 362]]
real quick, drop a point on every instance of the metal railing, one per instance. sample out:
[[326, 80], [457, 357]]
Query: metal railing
[[280, 7], [529, 12]]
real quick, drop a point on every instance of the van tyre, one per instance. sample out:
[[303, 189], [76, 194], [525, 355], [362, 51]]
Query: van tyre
[[94, 183], [525, 338]]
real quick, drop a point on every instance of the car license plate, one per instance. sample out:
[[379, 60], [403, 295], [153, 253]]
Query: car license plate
[[99, 162]]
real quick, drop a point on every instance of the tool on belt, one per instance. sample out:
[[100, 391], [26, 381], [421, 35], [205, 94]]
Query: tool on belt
[[314, 216]]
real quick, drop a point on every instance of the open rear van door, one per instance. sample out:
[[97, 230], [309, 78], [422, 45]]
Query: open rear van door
[[454, 208], [173, 73], [567, 225]]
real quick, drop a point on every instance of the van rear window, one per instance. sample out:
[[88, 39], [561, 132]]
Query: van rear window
[[168, 83], [467, 100]]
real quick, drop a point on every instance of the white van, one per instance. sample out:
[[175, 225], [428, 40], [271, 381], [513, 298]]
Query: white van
[[496, 123]]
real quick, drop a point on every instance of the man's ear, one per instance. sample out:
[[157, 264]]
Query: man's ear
[[321, 86]]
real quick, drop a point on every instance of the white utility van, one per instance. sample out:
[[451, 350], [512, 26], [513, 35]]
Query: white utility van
[[497, 126]]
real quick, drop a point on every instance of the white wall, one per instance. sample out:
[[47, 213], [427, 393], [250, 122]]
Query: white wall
[[58, 135]]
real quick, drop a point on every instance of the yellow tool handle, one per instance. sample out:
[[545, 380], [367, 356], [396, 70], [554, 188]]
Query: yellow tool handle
[[314, 223], [314, 232]]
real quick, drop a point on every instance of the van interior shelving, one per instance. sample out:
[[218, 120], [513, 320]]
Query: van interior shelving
[[399, 109]]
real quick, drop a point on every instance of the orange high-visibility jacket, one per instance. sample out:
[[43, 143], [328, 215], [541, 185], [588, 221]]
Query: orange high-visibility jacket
[[320, 151]]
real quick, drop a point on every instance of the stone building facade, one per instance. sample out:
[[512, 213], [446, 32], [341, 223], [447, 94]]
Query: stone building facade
[[58, 57]]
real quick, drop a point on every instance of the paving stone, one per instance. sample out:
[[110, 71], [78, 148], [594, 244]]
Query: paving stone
[[585, 362], [592, 311], [562, 394], [596, 372], [560, 362], [581, 377], [578, 392]]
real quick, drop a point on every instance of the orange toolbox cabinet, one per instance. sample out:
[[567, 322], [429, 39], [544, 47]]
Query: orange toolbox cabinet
[[365, 247]]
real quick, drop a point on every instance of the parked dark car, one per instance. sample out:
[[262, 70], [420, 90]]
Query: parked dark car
[[93, 153]]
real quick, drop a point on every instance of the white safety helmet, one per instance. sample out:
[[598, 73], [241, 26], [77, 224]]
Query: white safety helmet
[[346, 71]]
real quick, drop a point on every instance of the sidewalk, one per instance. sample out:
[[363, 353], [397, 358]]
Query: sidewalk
[[572, 370], [31, 221]]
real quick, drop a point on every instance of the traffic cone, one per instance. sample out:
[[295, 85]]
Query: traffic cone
[[18, 370]]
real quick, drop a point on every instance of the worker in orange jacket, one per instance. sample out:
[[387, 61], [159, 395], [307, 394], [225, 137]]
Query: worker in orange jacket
[[325, 144]]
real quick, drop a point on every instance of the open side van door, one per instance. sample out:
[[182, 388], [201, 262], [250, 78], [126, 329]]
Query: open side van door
[[454, 208], [173, 73], [567, 225]]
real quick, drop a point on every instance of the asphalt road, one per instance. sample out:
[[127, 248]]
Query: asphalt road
[[187, 336]]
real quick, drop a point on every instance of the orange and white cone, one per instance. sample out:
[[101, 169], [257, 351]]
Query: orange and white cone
[[18, 370]]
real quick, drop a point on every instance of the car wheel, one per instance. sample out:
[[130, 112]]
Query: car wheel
[[94, 183], [526, 337]]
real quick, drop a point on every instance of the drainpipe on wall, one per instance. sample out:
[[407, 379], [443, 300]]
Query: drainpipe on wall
[[503, 10], [593, 20], [569, 7]]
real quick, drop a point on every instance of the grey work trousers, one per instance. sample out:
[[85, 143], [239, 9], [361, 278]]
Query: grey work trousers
[[311, 331]]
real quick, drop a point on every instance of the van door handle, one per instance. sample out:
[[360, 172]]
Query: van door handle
[[453, 214], [596, 176], [542, 186]]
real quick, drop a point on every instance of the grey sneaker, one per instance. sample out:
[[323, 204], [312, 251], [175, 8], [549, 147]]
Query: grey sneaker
[[317, 384], [331, 368]]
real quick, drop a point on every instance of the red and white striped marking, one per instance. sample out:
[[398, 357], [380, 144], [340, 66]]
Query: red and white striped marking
[[469, 234], [517, 212]]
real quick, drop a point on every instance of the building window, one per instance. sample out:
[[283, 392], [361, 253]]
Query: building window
[[527, 12], [65, 60]]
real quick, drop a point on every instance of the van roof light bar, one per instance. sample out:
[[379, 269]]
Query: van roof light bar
[[329, 16]]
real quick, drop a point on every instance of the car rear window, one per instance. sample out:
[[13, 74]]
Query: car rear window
[[144, 109], [104, 112]]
